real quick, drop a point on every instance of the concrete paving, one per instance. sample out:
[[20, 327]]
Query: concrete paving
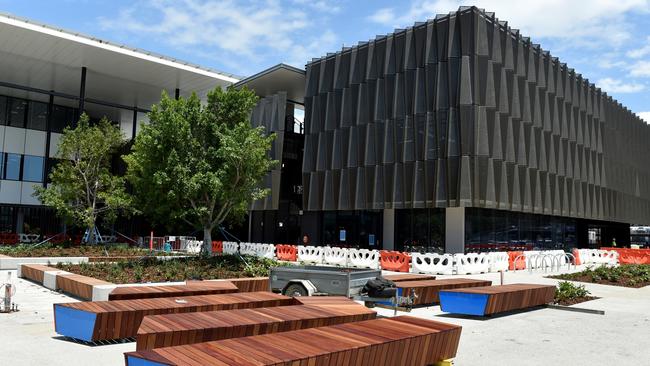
[[539, 337]]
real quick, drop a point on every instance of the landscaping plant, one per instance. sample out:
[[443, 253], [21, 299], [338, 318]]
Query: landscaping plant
[[568, 294], [200, 163], [628, 275]]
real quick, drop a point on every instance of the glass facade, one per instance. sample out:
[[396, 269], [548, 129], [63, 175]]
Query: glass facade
[[16, 113], [420, 230], [12, 166], [33, 168], [352, 229], [487, 230], [37, 116]]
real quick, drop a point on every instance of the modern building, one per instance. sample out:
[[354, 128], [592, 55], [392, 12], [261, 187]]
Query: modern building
[[459, 134], [456, 134], [47, 76]]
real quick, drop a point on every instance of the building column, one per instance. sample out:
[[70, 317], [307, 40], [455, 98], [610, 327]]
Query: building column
[[177, 93], [20, 220], [455, 230], [82, 93], [135, 123], [389, 229]]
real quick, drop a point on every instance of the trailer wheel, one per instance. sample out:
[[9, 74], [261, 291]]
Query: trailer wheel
[[295, 289]]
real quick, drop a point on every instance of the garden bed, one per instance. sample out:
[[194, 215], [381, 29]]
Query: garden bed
[[627, 275], [179, 269], [570, 294], [59, 250]]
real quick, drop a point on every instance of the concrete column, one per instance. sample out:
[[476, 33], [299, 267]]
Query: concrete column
[[455, 230], [388, 235], [20, 219]]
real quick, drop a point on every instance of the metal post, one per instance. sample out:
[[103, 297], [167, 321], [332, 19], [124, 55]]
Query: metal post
[[48, 133], [501, 277], [82, 92], [177, 93], [135, 123]]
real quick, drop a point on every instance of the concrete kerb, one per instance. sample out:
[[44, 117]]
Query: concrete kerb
[[15, 262]]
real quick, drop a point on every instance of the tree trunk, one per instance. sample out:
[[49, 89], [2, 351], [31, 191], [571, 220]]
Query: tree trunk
[[207, 241], [91, 235]]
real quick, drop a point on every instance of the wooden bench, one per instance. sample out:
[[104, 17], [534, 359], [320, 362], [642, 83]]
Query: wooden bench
[[489, 300], [78, 285], [401, 340], [177, 329], [427, 290], [105, 320], [409, 277], [35, 272], [252, 284], [193, 288]]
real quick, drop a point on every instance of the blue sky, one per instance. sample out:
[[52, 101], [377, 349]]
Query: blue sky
[[607, 41]]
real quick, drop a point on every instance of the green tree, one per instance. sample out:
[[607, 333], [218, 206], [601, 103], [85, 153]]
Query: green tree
[[82, 187], [200, 163]]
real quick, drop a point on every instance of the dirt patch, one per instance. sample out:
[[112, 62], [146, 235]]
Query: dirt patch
[[576, 300]]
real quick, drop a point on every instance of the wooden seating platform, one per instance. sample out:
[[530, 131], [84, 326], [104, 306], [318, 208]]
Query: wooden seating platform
[[35, 272], [489, 300], [252, 284], [409, 277], [400, 341], [177, 329], [105, 320], [78, 285], [193, 288], [427, 290]]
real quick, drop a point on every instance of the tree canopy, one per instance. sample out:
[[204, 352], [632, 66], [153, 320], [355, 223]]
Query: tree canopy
[[200, 163], [82, 187]]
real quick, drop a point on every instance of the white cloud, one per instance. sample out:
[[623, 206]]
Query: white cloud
[[244, 34], [584, 21], [641, 51], [644, 116], [640, 69], [611, 85]]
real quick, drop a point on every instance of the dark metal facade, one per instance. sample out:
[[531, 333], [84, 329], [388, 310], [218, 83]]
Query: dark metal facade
[[465, 111]]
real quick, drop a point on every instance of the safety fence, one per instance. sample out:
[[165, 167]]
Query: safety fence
[[425, 263]]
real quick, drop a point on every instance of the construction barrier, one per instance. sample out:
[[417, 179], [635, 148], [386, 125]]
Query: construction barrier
[[395, 261], [264, 250], [217, 246], [193, 246], [471, 263], [432, 263], [247, 248], [230, 247], [631, 256], [310, 254], [521, 262], [576, 255], [286, 252], [335, 256], [364, 258], [499, 261]]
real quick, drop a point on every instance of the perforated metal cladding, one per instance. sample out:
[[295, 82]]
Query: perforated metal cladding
[[270, 113], [464, 111]]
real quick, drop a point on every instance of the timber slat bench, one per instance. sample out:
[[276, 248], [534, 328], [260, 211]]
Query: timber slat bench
[[427, 290], [106, 320], [482, 301], [409, 277], [177, 329], [248, 284], [400, 341], [35, 272], [194, 288], [78, 285]]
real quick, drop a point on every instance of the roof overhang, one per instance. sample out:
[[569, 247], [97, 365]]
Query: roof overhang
[[46, 58], [278, 78]]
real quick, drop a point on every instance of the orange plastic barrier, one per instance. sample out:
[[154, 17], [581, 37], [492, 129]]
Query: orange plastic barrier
[[9, 238], [217, 246], [521, 263], [576, 254], [631, 256], [395, 261], [286, 252]]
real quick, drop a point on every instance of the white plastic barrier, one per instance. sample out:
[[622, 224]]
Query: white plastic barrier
[[597, 256], [264, 251], [29, 238], [471, 263], [432, 263], [310, 254], [247, 248], [193, 246], [585, 255], [230, 247], [364, 258], [498, 261], [335, 256]]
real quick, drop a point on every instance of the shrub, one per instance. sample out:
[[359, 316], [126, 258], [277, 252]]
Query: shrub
[[567, 291]]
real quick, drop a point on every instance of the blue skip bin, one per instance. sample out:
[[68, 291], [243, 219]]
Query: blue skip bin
[[74, 323], [463, 303]]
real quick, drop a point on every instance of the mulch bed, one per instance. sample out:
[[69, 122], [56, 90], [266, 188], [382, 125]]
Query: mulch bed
[[78, 251], [577, 300]]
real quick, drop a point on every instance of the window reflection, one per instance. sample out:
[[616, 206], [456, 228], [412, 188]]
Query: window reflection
[[33, 168], [17, 109], [37, 116], [12, 171]]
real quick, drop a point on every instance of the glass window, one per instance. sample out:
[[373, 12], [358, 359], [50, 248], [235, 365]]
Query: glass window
[[61, 117], [3, 110], [17, 110], [12, 165], [33, 168], [37, 116]]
